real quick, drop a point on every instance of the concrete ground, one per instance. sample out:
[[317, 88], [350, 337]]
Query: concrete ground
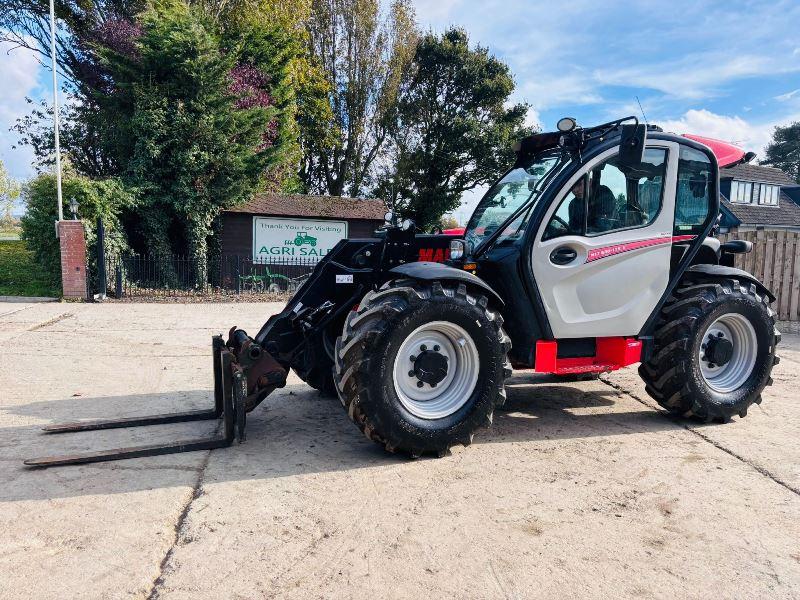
[[579, 489]]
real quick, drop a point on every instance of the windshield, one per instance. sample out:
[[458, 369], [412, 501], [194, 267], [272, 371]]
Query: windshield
[[507, 195]]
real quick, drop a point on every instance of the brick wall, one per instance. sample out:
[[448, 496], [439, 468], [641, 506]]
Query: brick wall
[[73, 258]]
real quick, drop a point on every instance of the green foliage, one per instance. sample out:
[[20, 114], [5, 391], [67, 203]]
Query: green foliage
[[345, 123], [783, 151], [189, 142], [20, 275], [106, 199], [454, 131], [9, 192]]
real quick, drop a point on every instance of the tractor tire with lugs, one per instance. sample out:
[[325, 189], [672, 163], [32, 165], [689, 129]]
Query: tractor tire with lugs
[[421, 366], [714, 349], [316, 367]]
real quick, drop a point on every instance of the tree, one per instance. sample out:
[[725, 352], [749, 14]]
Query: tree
[[195, 125], [454, 130], [449, 222], [363, 57], [9, 192], [105, 199], [783, 151]]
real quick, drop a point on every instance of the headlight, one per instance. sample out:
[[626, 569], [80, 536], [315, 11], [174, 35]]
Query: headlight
[[456, 249], [406, 224]]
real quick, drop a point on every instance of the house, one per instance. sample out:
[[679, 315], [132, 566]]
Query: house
[[296, 228], [758, 197]]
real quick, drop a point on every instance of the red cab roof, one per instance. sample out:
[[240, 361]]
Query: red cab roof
[[727, 154]]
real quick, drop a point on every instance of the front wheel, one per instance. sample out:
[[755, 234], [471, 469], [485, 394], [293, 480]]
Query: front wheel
[[714, 349], [420, 367]]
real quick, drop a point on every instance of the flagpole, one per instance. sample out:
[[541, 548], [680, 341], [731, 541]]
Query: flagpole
[[55, 107]]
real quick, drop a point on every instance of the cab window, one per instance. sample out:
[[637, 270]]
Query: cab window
[[612, 197], [692, 199]]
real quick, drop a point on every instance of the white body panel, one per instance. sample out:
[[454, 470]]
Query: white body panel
[[599, 295]]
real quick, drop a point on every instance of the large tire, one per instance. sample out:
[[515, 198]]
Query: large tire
[[377, 336], [316, 366], [680, 373]]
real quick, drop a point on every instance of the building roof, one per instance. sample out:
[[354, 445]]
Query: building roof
[[785, 214], [759, 173], [299, 205]]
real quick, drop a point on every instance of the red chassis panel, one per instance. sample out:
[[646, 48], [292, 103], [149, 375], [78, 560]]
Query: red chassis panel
[[612, 353]]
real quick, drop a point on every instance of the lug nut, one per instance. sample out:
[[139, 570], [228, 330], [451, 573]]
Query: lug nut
[[413, 358], [436, 348], [411, 373], [433, 385], [423, 347], [711, 365], [420, 384], [720, 334]]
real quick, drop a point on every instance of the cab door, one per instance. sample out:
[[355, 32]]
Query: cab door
[[601, 257]]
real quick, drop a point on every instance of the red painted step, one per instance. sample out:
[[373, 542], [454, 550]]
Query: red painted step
[[612, 353]]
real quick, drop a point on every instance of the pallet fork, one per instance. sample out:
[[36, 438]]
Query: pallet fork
[[230, 396]]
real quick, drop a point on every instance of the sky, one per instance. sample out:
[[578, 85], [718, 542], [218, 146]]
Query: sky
[[728, 70]]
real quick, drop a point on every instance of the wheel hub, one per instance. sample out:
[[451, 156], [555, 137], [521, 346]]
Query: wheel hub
[[719, 350], [430, 367], [728, 352], [436, 369]]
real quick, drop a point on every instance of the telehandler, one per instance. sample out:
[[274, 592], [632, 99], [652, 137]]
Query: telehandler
[[594, 251]]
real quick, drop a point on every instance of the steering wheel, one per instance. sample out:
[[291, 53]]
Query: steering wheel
[[563, 223]]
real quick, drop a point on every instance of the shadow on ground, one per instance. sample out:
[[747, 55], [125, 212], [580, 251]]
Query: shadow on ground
[[295, 431]]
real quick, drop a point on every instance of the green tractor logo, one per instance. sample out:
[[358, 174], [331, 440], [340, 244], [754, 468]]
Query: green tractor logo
[[302, 238]]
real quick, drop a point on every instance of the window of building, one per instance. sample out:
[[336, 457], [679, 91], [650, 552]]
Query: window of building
[[612, 197], [769, 194], [691, 202], [747, 192], [742, 192]]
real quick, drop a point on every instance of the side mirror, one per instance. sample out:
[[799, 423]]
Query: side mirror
[[631, 148]]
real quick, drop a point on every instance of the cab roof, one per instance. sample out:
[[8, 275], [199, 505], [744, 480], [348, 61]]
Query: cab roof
[[727, 154]]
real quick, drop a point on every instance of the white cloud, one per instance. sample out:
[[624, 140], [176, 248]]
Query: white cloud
[[435, 10], [787, 95], [532, 119], [691, 76], [20, 71], [750, 136]]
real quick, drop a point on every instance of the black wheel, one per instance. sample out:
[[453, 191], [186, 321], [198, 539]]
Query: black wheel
[[714, 350], [315, 366], [420, 367]]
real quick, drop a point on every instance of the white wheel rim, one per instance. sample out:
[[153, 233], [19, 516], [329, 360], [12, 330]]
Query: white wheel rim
[[738, 330], [450, 394]]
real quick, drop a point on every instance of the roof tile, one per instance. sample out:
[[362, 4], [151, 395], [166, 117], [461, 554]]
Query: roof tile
[[785, 214], [759, 173], [299, 205]]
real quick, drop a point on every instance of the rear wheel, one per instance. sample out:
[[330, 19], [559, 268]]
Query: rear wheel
[[714, 350], [420, 367]]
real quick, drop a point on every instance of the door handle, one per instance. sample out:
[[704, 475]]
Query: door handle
[[563, 255]]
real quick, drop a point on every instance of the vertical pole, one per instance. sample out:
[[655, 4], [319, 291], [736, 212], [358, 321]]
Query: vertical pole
[[102, 281], [237, 275], [55, 107], [118, 282]]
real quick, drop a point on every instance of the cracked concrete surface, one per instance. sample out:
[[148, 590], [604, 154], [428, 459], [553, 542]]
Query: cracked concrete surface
[[579, 489]]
